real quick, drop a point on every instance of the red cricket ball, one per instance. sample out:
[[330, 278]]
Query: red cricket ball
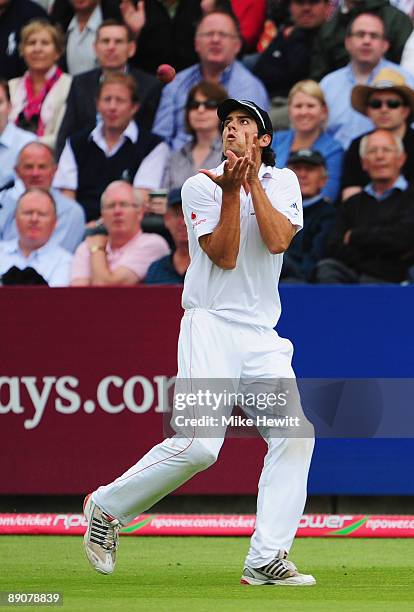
[[165, 73]]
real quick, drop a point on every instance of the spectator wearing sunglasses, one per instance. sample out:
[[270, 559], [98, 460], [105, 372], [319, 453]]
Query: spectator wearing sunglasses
[[205, 148], [389, 103], [367, 44]]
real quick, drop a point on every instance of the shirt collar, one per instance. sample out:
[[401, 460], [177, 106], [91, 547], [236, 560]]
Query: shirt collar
[[130, 132], [121, 249], [11, 246], [381, 64], [401, 184], [226, 74], [265, 171], [92, 24], [309, 201]]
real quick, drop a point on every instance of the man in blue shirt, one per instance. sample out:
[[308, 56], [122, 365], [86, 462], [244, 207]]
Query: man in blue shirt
[[36, 168], [171, 269], [366, 44], [31, 257], [217, 43]]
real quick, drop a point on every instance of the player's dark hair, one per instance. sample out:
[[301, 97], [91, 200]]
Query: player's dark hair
[[268, 156]]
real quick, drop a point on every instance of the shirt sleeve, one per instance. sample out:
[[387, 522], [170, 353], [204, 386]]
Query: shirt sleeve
[[285, 195], [80, 263], [60, 276], [66, 176], [201, 210], [164, 122], [138, 258], [151, 170]]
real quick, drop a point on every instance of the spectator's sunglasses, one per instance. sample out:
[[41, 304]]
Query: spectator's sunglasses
[[392, 103], [208, 104]]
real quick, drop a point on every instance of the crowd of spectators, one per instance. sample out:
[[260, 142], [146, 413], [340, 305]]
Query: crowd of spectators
[[94, 149]]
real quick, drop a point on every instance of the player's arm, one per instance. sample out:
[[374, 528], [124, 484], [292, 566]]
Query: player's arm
[[222, 245], [275, 228]]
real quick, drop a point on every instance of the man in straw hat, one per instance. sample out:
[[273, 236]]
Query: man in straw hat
[[389, 103], [366, 44]]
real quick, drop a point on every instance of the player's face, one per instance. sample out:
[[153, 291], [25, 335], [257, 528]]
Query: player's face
[[308, 14], [112, 47], [120, 212], [382, 160], [306, 112], [382, 115], [116, 106], [236, 125], [311, 178], [174, 222], [5, 108], [36, 167], [217, 41], [35, 219], [366, 43]]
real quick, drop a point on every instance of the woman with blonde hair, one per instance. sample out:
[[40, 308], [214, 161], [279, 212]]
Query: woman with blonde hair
[[308, 114], [38, 98]]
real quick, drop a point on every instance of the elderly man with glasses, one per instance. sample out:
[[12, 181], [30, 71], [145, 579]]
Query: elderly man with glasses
[[124, 255], [373, 238]]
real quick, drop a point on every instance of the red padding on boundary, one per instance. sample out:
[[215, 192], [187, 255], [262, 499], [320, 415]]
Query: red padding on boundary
[[316, 525]]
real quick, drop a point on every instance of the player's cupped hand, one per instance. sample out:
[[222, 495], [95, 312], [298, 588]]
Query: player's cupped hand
[[234, 172]]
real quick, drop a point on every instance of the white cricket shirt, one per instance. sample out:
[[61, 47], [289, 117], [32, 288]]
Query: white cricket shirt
[[249, 293]]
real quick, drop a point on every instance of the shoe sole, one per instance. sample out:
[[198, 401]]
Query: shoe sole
[[285, 582]]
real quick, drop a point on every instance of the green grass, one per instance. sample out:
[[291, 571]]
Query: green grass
[[202, 575]]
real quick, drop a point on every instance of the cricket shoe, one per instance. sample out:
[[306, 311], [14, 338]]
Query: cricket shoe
[[279, 571], [101, 537]]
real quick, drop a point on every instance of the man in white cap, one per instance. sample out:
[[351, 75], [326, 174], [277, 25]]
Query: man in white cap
[[241, 217], [389, 103]]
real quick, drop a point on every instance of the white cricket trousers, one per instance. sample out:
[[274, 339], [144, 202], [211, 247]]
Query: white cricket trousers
[[212, 348]]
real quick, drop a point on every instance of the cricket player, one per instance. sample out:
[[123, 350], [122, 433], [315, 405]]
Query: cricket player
[[241, 217]]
